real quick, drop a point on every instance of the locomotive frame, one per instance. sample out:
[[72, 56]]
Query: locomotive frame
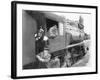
[[15, 73]]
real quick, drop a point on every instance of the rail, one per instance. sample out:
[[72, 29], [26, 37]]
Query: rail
[[85, 41]]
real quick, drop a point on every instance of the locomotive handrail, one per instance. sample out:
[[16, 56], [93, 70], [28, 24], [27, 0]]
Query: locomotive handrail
[[69, 46]]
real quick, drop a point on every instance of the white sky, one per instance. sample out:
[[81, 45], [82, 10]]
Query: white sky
[[73, 16]]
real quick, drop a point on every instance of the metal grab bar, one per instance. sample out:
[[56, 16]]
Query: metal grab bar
[[69, 46]]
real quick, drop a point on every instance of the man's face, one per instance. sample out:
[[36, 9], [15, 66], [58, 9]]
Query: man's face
[[46, 51], [40, 34]]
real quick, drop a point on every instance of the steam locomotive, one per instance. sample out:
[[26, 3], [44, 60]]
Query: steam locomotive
[[73, 51]]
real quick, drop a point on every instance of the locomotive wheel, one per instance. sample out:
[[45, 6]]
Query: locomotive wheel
[[77, 53]]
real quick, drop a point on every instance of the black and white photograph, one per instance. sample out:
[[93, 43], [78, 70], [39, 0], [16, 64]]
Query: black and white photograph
[[54, 39]]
